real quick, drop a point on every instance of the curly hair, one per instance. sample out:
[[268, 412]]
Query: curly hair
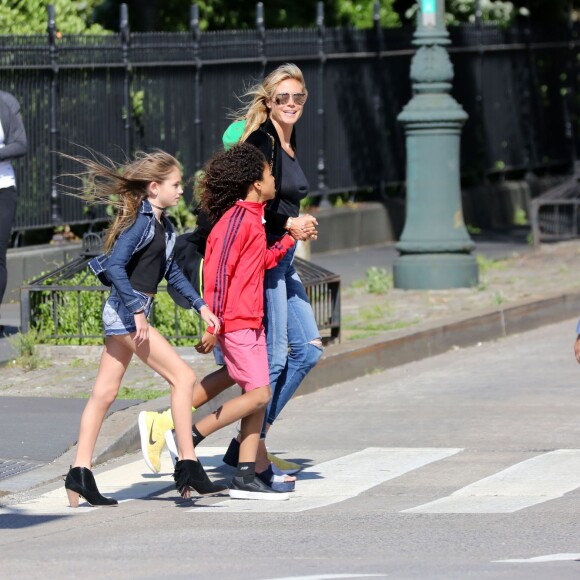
[[227, 178]]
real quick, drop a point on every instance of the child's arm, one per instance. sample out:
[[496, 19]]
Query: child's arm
[[277, 251], [207, 343]]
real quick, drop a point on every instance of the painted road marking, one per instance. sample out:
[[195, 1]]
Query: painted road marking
[[340, 479], [330, 577], [548, 558], [539, 479], [124, 483]]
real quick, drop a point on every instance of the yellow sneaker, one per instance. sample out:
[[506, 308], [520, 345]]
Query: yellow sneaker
[[152, 428], [287, 467]]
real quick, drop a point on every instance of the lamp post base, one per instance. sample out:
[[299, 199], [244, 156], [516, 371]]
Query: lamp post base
[[435, 271]]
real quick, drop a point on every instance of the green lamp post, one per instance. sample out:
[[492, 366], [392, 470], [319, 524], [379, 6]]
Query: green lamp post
[[435, 248]]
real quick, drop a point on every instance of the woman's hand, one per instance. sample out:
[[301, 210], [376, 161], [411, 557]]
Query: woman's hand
[[303, 228], [142, 326], [210, 318], [207, 343]]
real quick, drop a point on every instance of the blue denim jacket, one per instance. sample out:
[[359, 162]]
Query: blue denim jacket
[[111, 268]]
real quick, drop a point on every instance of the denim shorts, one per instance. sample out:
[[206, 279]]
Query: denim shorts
[[117, 319]]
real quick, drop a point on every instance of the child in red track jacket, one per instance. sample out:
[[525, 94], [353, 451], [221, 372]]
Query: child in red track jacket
[[236, 185]]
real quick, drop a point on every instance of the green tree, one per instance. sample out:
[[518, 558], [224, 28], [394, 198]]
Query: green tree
[[173, 15], [30, 16], [360, 14], [541, 11]]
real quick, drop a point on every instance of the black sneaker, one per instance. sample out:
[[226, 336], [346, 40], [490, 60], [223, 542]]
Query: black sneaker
[[257, 489]]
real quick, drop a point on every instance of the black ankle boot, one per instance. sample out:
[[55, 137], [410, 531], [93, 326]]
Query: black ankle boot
[[81, 482], [232, 455], [190, 474]]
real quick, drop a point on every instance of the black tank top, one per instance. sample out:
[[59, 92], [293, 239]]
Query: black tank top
[[147, 266]]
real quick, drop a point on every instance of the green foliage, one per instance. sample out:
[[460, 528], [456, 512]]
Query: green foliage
[[28, 357], [458, 11], [169, 319], [181, 216], [84, 307], [486, 264], [520, 217], [360, 14], [31, 17], [378, 281], [173, 15], [73, 308], [142, 394]]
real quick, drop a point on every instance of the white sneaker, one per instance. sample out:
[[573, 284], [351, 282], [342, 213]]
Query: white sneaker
[[255, 490], [171, 445]]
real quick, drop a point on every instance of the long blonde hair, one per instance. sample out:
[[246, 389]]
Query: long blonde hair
[[124, 186], [256, 111]]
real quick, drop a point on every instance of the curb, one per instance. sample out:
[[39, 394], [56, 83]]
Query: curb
[[343, 362]]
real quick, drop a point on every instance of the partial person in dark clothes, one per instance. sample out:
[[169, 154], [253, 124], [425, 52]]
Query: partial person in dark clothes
[[12, 145]]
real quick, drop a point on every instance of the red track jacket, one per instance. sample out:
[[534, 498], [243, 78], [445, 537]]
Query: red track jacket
[[236, 258]]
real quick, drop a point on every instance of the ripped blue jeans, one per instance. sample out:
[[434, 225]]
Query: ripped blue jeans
[[294, 344]]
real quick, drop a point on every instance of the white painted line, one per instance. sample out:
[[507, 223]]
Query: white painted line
[[339, 480], [124, 483], [330, 577], [548, 558], [537, 480]]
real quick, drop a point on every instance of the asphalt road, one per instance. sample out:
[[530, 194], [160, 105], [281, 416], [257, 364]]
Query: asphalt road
[[464, 465]]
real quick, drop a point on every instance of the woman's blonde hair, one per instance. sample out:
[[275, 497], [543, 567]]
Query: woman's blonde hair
[[256, 111], [124, 186]]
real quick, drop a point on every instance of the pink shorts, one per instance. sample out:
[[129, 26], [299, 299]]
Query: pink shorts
[[246, 357]]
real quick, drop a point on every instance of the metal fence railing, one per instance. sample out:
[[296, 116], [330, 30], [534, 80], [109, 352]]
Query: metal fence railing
[[66, 304], [555, 214], [119, 92]]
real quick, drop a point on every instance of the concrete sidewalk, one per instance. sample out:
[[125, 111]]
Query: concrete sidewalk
[[453, 318]]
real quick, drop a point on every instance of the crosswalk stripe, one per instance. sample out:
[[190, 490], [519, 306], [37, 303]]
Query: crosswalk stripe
[[536, 480], [340, 479], [122, 483], [539, 479], [548, 558]]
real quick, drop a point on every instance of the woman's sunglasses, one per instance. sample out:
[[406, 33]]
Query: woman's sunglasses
[[284, 98]]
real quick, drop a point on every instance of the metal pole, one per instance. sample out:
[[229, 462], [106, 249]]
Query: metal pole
[[435, 247], [196, 36], [125, 40], [321, 165], [54, 197], [377, 94], [478, 13], [262, 34]]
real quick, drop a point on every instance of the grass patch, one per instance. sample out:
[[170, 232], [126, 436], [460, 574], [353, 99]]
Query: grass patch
[[143, 394], [26, 345], [487, 264], [376, 281]]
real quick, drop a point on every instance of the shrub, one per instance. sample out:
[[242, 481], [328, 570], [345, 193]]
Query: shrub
[[78, 312]]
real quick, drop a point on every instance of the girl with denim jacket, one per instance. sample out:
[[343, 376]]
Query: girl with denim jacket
[[139, 253]]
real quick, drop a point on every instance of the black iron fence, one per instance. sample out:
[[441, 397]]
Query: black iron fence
[[65, 305], [119, 92]]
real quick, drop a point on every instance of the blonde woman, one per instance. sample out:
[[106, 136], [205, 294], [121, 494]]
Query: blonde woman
[[139, 248], [294, 344]]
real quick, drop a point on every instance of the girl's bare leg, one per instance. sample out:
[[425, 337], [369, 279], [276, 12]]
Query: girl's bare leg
[[114, 362], [158, 354]]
